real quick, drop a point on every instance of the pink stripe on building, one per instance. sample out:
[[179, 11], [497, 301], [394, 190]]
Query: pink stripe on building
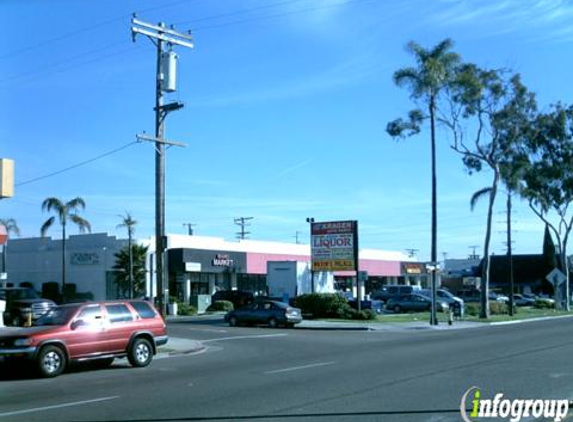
[[257, 264]]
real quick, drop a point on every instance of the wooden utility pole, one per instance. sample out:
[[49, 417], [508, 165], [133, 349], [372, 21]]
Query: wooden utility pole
[[162, 37]]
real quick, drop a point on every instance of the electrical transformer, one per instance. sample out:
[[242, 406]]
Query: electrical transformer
[[169, 71]]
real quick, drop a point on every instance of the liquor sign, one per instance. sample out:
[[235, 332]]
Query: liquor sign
[[334, 246]]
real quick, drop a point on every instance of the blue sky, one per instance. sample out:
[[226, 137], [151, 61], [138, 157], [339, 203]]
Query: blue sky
[[286, 104]]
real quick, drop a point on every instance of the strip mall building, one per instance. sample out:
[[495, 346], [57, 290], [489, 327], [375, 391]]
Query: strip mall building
[[196, 265]]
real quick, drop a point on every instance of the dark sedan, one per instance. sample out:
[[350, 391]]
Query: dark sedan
[[415, 303], [266, 312]]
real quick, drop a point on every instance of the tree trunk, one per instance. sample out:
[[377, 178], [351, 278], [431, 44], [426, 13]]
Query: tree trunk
[[434, 252], [63, 262], [484, 298], [130, 268]]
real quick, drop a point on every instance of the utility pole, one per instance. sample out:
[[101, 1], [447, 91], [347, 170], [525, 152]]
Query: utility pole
[[189, 228], [473, 255], [412, 252], [162, 37], [297, 240], [243, 222]]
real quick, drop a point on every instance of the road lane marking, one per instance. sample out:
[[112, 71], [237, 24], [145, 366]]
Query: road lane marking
[[243, 337], [297, 368], [57, 406]]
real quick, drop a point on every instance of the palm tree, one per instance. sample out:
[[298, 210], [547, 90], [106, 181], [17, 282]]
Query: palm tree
[[136, 261], [129, 223], [11, 228], [64, 212], [434, 72]]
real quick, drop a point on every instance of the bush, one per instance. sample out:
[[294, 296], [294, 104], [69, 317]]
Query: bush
[[186, 310], [221, 305], [322, 305], [498, 308], [544, 304], [472, 309]]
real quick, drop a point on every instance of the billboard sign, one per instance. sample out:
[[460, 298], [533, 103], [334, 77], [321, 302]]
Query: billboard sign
[[334, 246]]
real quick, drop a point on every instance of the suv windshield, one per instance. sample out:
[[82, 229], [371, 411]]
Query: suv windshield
[[60, 315]]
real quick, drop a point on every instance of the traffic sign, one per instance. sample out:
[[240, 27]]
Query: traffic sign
[[556, 277]]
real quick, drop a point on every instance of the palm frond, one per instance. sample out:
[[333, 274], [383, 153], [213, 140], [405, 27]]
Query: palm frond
[[477, 196], [10, 225], [53, 203], [47, 224], [76, 203], [82, 223]]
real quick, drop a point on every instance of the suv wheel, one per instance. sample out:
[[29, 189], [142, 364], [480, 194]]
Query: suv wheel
[[397, 309], [140, 353], [51, 361]]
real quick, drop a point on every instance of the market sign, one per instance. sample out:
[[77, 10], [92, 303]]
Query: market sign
[[334, 246]]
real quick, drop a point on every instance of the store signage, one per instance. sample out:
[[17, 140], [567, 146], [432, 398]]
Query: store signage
[[334, 246], [193, 267], [84, 258], [413, 269], [222, 260]]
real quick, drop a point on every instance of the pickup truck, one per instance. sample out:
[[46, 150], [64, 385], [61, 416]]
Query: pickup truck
[[21, 301]]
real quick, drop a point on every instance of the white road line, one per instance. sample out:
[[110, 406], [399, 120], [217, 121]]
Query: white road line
[[57, 406], [296, 368], [243, 337]]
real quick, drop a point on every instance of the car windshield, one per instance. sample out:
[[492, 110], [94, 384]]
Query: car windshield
[[60, 315]]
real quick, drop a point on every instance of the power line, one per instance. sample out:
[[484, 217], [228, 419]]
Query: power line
[[71, 59], [238, 12], [87, 29], [91, 160], [276, 15]]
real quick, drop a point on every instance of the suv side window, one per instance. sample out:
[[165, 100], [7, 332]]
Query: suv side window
[[118, 313], [90, 316], [143, 309]]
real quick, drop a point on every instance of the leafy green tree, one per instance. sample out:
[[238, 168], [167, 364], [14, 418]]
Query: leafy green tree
[[490, 116], [122, 266], [426, 82], [548, 182], [11, 228], [65, 212], [129, 223]]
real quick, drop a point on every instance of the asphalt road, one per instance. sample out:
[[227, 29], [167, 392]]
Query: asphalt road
[[259, 374]]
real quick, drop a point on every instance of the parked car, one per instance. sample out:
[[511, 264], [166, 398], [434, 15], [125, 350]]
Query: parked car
[[414, 302], [522, 300], [469, 295], [498, 297], [374, 305], [455, 303], [268, 312], [99, 331], [21, 302], [386, 292], [238, 298]]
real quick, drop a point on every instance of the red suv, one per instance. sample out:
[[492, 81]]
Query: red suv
[[99, 331]]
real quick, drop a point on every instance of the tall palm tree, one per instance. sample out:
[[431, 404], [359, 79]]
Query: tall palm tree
[[129, 223], [434, 72], [65, 212], [11, 228]]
